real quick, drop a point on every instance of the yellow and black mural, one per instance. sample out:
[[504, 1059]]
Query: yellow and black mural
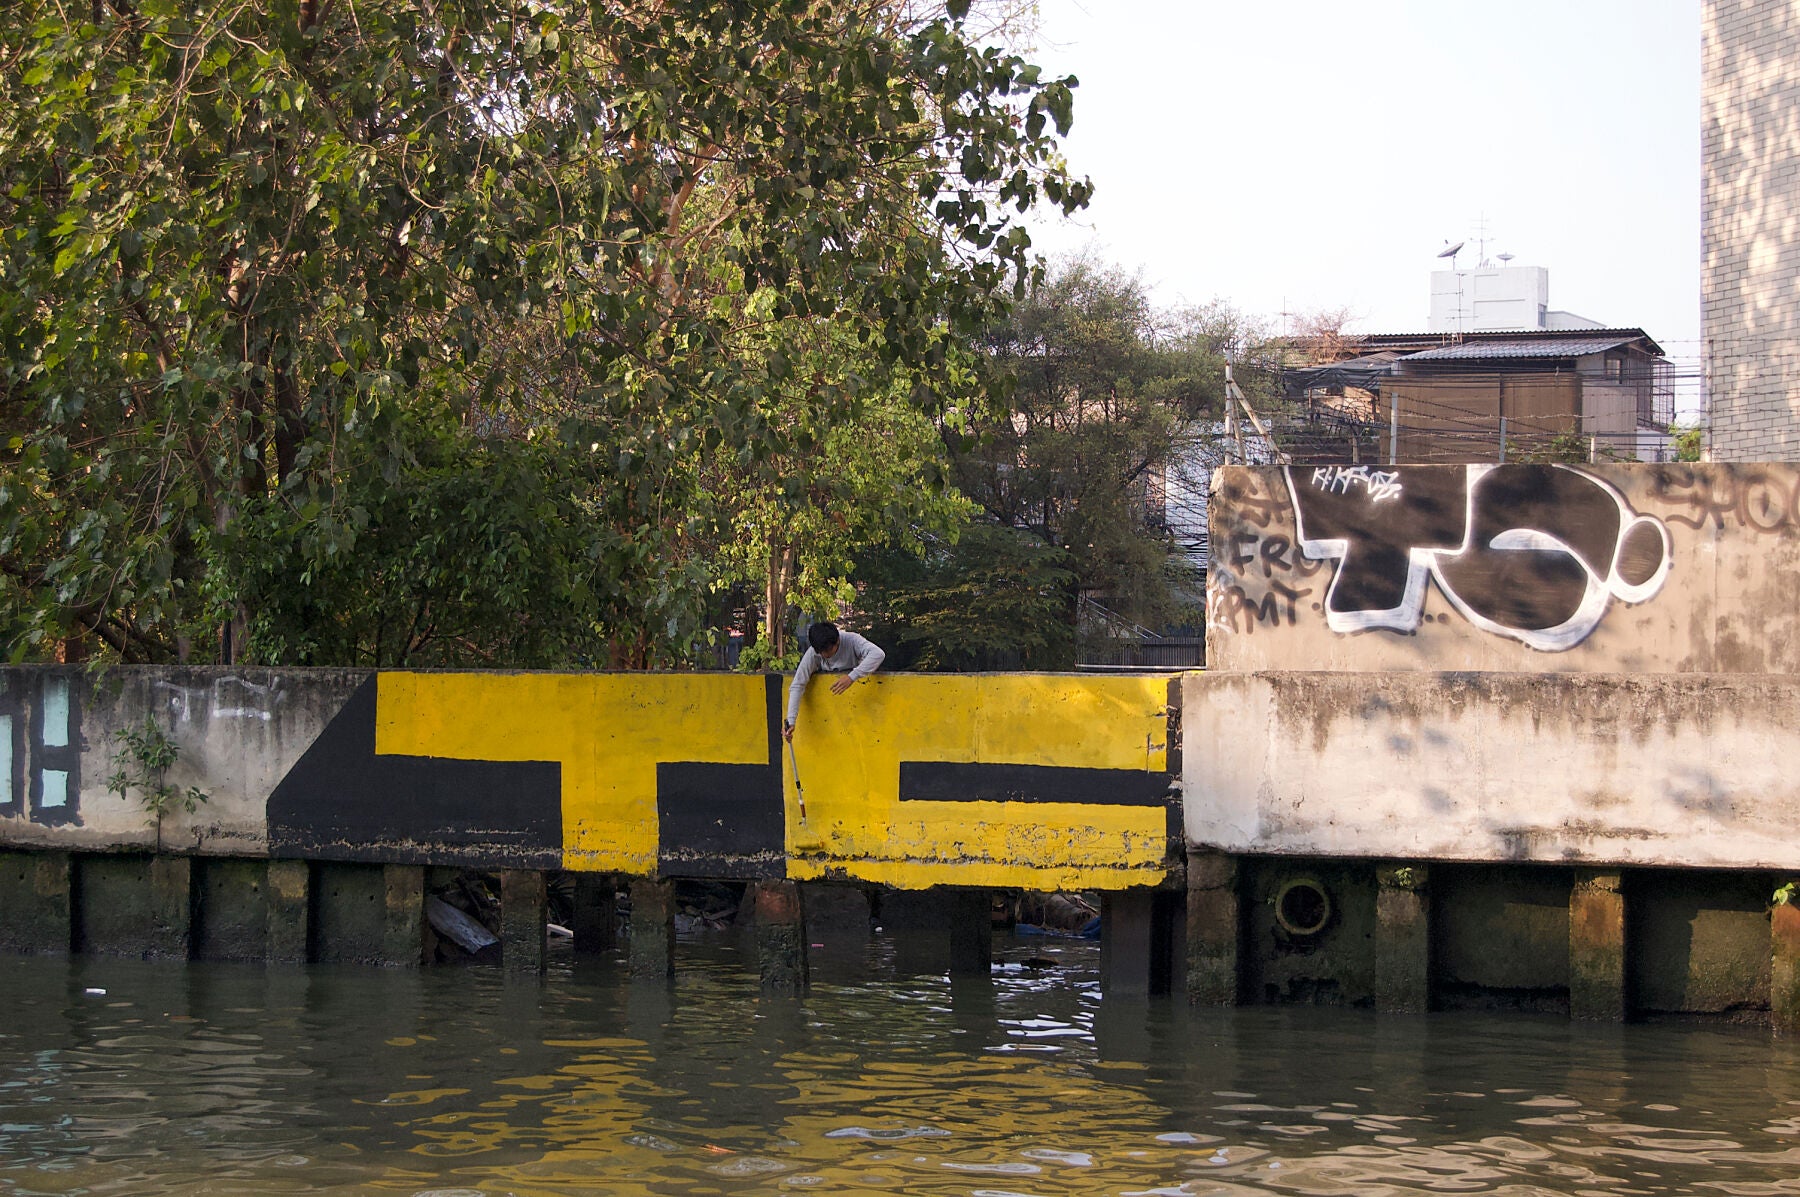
[[909, 780]]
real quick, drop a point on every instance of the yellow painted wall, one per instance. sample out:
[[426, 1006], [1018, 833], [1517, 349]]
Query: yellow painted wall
[[850, 746], [610, 731]]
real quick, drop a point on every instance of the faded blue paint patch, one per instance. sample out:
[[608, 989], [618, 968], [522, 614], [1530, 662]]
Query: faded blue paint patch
[[6, 761], [56, 789], [56, 712]]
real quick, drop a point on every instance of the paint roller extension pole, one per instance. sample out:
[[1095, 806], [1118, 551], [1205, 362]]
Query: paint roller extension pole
[[799, 793]]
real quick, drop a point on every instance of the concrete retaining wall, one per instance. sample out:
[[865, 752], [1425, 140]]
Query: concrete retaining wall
[[1035, 781], [1670, 770], [1519, 569]]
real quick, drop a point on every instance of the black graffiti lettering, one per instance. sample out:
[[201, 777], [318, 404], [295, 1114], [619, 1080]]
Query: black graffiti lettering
[[1763, 506], [1274, 555], [1377, 583], [1230, 608], [1277, 554], [1748, 498], [1293, 598], [1242, 494], [1532, 552], [1575, 522], [1242, 549]]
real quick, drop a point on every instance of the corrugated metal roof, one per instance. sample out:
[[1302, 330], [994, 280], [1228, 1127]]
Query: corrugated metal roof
[[1521, 347]]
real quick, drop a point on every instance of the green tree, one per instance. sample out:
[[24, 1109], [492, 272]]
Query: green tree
[[993, 598], [307, 305], [853, 476], [1690, 440], [1113, 395]]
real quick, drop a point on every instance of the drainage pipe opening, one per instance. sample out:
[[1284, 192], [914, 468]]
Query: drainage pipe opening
[[1302, 907]]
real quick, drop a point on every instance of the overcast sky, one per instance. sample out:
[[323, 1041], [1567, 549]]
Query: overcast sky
[[1305, 154]]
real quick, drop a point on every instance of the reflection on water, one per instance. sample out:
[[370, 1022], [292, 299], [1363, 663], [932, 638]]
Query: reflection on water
[[234, 1080]]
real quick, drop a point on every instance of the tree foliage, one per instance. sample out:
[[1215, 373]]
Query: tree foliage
[[1113, 397], [1689, 440], [1079, 477], [426, 332], [994, 598]]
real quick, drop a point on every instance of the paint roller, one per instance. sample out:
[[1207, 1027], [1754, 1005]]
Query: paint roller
[[799, 793]]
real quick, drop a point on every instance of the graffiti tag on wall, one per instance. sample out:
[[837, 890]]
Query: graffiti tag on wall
[[1535, 553]]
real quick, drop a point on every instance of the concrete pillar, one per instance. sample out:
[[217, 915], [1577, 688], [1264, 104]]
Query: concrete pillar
[[652, 949], [1784, 994], [1597, 946], [1403, 939], [403, 922], [35, 910], [288, 892], [524, 941], [780, 938], [170, 933], [1214, 928], [971, 933], [596, 921], [1127, 942]]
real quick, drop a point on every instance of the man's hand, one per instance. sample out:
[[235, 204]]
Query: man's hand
[[842, 684], [787, 732]]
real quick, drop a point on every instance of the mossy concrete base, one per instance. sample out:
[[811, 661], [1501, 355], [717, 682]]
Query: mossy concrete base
[[652, 950], [231, 913], [287, 895], [137, 906], [1403, 939], [35, 903], [1214, 928], [523, 938], [1784, 989], [1597, 946], [781, 938], [403, 924]]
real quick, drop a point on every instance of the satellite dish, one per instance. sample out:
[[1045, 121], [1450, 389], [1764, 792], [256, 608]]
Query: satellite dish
[[1452, 250], [1504, 258]]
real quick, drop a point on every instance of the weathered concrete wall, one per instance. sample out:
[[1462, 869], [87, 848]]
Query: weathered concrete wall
[[1037, 781], [1539, 569], [1619, 769], [238, 733]]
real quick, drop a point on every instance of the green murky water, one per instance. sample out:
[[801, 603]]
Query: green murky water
[[212, 1079]]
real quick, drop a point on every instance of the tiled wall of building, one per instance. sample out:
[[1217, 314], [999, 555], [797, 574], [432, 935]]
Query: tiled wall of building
[[1750, 289]]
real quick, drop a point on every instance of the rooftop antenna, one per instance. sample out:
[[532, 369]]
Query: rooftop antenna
[[1481, 239], [1450, 251]]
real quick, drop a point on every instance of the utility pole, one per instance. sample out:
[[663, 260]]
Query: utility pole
[[1234, 432], [1235, 402]]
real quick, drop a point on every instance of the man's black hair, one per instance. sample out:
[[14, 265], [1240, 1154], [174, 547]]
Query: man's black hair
[[822, 636]]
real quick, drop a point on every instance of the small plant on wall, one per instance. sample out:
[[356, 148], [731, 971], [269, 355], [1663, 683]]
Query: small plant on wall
[[143, 765]]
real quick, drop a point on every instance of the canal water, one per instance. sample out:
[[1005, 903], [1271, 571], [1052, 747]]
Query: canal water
[[133, 1078]]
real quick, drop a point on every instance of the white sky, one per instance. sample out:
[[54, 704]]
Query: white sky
[[1312, 154]]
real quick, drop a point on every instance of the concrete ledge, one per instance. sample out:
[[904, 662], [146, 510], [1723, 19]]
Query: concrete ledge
[[1679, 770]]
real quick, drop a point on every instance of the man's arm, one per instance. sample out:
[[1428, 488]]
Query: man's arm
[[809, 665], [868, 660]]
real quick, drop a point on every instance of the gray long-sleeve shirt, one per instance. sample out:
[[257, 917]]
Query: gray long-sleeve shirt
[[856, 655]]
